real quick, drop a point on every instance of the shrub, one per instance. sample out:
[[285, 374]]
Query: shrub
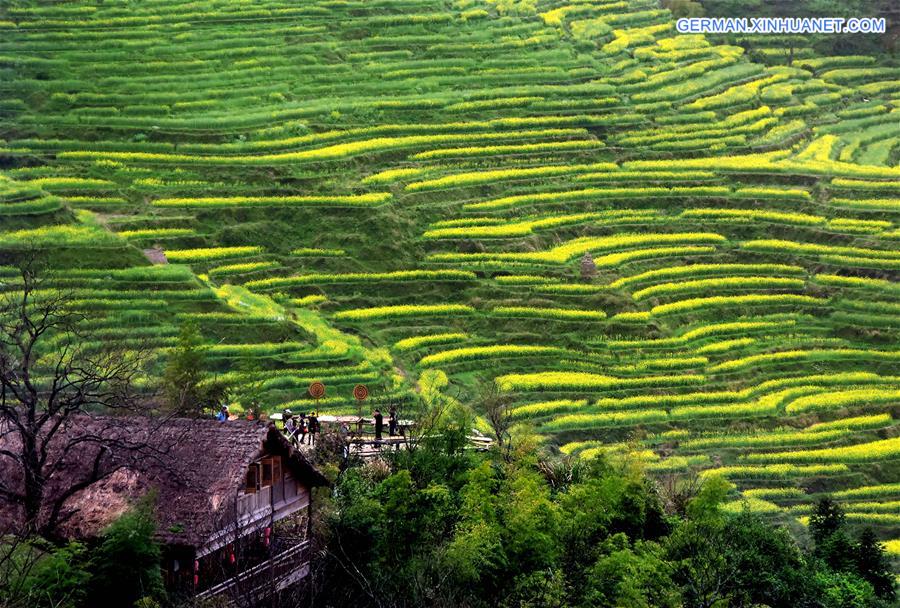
[[125, 566]]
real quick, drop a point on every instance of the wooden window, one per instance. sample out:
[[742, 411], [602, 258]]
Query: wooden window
[[252, 479], [266, 472], [276, 469]]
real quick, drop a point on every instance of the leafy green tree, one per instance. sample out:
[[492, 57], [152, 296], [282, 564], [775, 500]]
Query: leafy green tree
[[183, 380], [873, 565], [843, 590], [630, 576], [125, 566], [826, 519], [833, 545], [766, 563], [684, 8], [36, 574], [538, 589]]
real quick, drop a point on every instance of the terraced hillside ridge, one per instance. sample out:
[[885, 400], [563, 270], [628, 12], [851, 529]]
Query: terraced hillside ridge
[[644, 240]]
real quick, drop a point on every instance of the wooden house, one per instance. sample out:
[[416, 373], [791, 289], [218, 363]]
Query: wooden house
[[233, 498]]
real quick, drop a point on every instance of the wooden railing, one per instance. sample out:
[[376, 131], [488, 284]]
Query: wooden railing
[[262, 580]]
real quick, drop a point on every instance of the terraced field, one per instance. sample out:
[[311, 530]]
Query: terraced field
[[646, 240]]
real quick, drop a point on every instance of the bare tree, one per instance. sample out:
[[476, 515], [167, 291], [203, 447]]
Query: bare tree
[[52, 378], [497, 409]]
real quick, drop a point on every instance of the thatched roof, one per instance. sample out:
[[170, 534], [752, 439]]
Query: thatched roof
[[197, 467]]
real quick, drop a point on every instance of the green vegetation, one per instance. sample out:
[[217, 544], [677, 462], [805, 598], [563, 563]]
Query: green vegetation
[[685, 244], [528, 529]]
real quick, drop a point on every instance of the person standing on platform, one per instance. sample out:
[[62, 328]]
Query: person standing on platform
[[304, 427], [379, 424], [313, 427], [392, 421], [290, 426]]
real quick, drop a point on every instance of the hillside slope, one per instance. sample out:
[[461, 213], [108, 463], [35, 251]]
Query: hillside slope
[[645, 239]]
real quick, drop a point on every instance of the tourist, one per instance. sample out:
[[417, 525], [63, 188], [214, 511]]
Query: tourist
[[392, 421], [304, 427], [222, 416], [313, 427], [290, 426], [344, 432], [379, 424]]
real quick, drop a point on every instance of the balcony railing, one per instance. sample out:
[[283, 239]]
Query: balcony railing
[[274, 574]]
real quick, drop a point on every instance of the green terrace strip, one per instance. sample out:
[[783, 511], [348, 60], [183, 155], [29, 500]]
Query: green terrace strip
[[842, 399], [713, 303], [372, 199], [523, 279], [236, 269], [546, 408], [769, 163], [616, 259], [855, 423], [565, 252], [760, 439], [890, 187], [649, 176], [865, 283], [475, 353], [333, 152], [692, 270], [53, 184], [429, 340], [774, 493], [211, 253], [892, 506], [568, 381], [578, 144], [568, 288], [887, 489], [775, 471], [392, 175], [362, 277], [309, 300], [311, 252], [557, 314], [408, 310], [744, 215], [725, 345], [60, 236], [596, 194], [873, 204], [832, 355], [526, 227], [863, 452], [720, 284], [474, 178], [589, 421], [156, 233]]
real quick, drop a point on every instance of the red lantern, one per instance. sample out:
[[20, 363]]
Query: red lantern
[[268, 535], [196, 572]]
